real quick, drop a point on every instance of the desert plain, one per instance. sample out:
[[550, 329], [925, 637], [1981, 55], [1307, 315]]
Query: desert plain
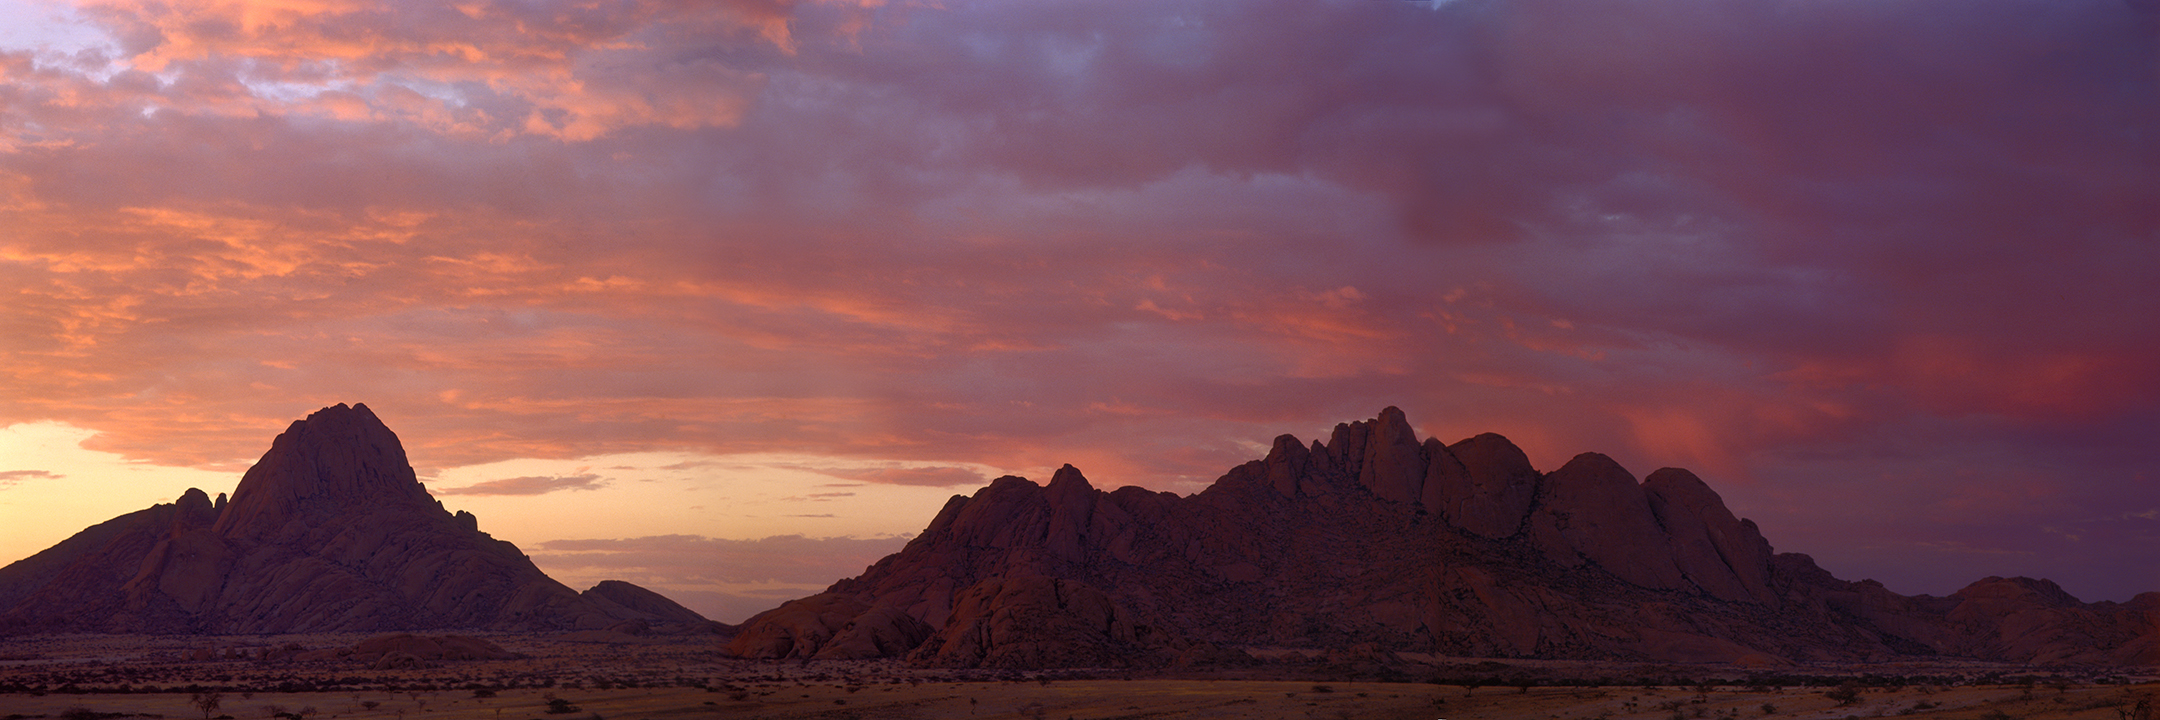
[[123, 676]]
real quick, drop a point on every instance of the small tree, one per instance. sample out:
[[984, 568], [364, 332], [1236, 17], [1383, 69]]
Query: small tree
[[207, 702]]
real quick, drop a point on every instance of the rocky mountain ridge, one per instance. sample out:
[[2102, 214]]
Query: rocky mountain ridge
[[1368, 544], [1375, 542], [329, 531]]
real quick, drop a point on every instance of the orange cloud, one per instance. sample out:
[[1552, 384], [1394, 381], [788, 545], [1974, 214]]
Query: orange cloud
[[1140, 241], [481, 69], [10, 477], [529, 485], [725, 580], [921, 476]]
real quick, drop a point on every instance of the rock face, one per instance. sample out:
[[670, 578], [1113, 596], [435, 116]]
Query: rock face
[[329, 531], [1592, 510], [1484, 485], [1035, 621], [1376, 540], [1724, 556]]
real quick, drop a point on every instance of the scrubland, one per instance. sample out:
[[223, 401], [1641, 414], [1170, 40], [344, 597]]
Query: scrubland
[[86, 677]]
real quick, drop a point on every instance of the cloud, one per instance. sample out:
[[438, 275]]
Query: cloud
[[484, 70], [780, 558], [919, 476], [537, 485], [1801, 246], [724, 579], [11, 477]]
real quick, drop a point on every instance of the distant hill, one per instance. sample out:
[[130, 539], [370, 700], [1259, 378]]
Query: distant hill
[[329, 531], [1374, 543]]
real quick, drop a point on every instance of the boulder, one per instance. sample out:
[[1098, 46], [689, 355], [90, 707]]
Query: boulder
[[1592, 510], [1499, 489]]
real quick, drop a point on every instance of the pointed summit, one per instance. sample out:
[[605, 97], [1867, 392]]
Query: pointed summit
[[336, 459], [329, 532]]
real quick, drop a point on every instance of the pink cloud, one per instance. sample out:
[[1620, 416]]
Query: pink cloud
[[726, 580], [11, 477], [924, 476], [1795, 245], [530, 485]]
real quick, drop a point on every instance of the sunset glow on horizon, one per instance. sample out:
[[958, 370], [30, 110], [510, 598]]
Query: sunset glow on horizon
[[726, 299]]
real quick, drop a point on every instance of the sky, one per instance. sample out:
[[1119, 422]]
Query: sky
[[726, 298]]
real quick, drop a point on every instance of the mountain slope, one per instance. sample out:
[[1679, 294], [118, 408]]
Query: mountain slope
[[329, 531], [1376, 540]]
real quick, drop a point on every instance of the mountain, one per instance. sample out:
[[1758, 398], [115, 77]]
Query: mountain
[[1375, 542], [641, 601], [329, 531]]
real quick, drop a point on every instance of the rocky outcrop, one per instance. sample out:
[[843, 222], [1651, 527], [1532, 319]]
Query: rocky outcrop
[[828, 627], [1722, 555], [1035, 622], [1376, 542], [329, 531], [1368, 544], [2033, 621], [651, 605], [1592, 510], [1491, 494], [1394, 466]]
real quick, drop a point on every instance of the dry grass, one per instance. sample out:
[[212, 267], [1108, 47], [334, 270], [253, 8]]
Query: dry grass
[[1087, 699], [687, 678]]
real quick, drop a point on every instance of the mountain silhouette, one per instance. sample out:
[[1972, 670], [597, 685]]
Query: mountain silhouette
[[329, 531], [1368, 544], [1373, 543]]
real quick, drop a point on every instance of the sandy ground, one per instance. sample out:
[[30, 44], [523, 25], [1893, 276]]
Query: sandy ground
[[687, 678], [1134, 699]]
